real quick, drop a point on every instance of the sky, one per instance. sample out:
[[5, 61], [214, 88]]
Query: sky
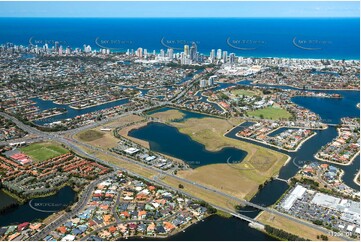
[[180, 9]]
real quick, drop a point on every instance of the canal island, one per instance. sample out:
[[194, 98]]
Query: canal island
[[101, 143]]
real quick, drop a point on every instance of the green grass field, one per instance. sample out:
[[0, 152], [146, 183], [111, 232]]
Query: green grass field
[[270, 113], [241, 92], [43, 151]]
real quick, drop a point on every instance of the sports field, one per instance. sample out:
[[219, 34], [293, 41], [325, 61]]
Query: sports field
[[241, 92], [270, 113], [43, 151]]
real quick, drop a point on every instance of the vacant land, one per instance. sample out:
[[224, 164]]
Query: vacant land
[[201, 193], [131, 118], [106, 139], [168, 115], [205, 195], [44, 150], [98, 138], [90, 135], [291, 227], [239, 179], [274, 113]]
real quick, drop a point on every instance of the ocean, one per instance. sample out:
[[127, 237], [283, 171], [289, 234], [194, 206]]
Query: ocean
[[316, 38]]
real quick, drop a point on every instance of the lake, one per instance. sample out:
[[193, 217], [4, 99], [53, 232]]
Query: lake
[[168, 140], [38, 208]]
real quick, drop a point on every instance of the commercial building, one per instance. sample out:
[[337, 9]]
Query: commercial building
[[202, 83], [297, 193]]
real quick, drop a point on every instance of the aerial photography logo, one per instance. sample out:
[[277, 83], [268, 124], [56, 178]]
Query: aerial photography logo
[[247, 165], [245, 44], [178, 44], [34, 41], [114, 44], [310, 44], [299, 163], [46, 207]]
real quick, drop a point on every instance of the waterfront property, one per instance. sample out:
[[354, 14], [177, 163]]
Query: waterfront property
[[275, 134], [346, 146], [325, 177]]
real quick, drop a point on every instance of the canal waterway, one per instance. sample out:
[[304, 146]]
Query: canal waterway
[[169, 140], [71, 112], [38, 208]]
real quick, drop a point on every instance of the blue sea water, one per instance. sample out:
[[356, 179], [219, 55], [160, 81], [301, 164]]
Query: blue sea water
[[335, 38]]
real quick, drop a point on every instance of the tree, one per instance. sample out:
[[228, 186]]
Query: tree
[[324, 237], [180, 186]]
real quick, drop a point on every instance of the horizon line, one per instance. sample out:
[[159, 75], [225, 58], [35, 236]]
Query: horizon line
[[182, 17]]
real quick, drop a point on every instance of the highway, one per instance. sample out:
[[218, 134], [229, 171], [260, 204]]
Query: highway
[[72, 144]]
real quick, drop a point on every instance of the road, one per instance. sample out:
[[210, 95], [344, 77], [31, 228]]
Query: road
[[83, 199], [72, 144]]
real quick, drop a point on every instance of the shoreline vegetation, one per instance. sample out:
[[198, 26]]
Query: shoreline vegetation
[[14, 196], [21, 200]]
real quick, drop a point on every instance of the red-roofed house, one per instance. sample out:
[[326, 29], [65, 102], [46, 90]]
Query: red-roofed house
[[23, 226]]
